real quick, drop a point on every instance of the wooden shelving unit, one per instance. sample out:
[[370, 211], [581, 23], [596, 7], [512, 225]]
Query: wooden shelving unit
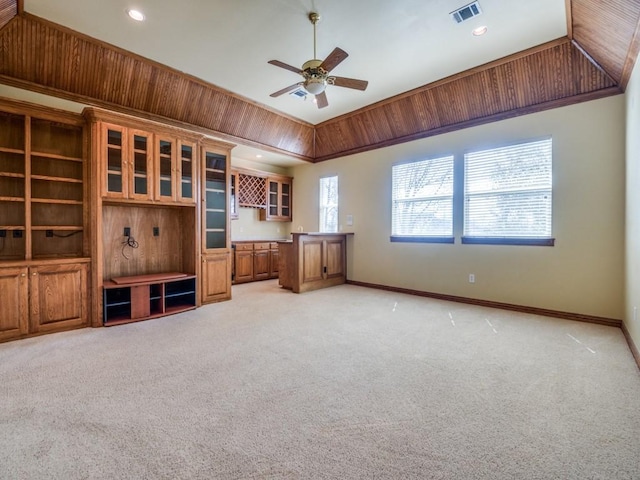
[[148, 296], [44, 253]]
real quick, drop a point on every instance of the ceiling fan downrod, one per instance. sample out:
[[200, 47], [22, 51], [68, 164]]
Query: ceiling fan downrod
[[314, 18]]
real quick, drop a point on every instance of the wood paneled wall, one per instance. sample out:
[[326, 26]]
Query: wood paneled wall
[[540, 78], [41, 53], [607, 31], [42, 56], [8, 10], [171, 250]]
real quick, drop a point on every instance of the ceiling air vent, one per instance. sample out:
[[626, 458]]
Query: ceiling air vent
[[466, 12], [300, 93]]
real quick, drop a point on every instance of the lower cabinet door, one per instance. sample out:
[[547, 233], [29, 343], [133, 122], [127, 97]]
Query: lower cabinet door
[[216, 277], [261, 264], [58, 297], [14, 292]]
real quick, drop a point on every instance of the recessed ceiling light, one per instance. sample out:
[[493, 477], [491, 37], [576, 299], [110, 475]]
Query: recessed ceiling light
[[479, 31], [258, 156], [137, 15]]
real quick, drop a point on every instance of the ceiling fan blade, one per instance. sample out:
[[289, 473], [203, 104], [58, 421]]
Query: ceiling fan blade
[[350, 83], [280, 64], [285, 90], [321, 100], [334, 58]]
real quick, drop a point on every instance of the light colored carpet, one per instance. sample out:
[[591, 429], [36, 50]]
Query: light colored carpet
[[341, 383]]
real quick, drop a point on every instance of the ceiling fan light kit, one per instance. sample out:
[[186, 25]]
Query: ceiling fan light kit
[[316, 72]]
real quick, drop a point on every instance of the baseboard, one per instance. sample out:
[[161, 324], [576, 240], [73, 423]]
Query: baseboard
[[610, 322], [632, 345]]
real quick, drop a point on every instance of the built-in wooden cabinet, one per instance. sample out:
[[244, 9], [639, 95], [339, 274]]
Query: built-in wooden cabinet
[[312, 261], [43, 298], [216, 247], [14, 292], [261, 261], [127, 163], [255, 261], [174, 164], [141, 297], [270, 193], [59, 297], [216, 277], [274, 260], [243, 262], [279, 197], [44, 240]]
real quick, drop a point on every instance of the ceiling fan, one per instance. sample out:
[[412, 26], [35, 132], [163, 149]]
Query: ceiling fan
[[316, 72]]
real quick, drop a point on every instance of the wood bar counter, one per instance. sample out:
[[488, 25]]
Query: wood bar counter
[[312, 261]]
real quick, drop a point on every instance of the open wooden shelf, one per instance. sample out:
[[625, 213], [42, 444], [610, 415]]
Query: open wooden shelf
[[137, 298]]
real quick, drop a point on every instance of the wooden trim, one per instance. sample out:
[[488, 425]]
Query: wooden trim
[[631, 343], [20, 7], [610, 322], [20, 107]]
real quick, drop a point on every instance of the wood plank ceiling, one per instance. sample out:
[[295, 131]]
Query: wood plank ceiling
[[595, 60]]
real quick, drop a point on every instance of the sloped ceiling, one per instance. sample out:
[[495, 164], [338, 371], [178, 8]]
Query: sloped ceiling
[[595, 60]]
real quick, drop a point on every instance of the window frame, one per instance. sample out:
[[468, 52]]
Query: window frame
[[507, 240], [442, 239], [322, 208]]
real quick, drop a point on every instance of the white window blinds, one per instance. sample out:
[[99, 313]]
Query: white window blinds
[[329, 204], [507, 191], [423, 198]]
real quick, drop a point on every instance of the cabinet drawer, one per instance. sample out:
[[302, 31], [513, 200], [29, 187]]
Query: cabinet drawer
[[274, 245], [261, 246], [244, 246]]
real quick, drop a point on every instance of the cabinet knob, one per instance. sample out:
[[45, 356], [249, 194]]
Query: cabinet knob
[[34, 274], [23, 275]]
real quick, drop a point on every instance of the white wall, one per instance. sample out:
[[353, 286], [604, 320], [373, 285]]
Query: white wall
[[632, 273], [582, 273]]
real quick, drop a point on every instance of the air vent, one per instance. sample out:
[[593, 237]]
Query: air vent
[[300, 93], [466, 12]]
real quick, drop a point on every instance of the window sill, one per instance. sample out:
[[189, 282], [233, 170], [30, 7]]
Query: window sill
[[421, 239], [540, 242]]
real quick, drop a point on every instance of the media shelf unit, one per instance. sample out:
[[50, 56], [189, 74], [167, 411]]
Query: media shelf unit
[[142, 297]]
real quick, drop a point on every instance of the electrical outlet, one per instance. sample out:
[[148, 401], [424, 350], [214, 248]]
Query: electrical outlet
[[127, 231], [17, 234], [48, 233], [3, 233], [156, 231], [472, 278]]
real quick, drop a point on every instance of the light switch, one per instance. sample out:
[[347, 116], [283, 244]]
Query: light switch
[[350, 220]]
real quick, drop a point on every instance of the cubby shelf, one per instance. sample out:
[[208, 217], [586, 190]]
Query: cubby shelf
[[147, 296]]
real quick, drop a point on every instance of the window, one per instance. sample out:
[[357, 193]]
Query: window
[[422, 208], [329, 204], [507, 194]]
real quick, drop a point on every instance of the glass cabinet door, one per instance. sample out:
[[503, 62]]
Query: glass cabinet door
[[273, 199], [165, 166], [186, 168], [140, 143], [215, 201], [286, 200], [115, 181]]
